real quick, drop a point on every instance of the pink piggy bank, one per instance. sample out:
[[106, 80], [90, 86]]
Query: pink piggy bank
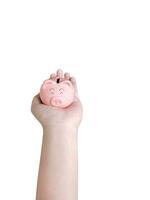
[[57, 94]]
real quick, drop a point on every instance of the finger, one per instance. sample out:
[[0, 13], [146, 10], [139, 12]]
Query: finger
[[36, 100], [73, 81], [59, 73], [53, 76], [66, 76], [76, 104]]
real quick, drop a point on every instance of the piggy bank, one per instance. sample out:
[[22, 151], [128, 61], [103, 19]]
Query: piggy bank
[[58, 94]]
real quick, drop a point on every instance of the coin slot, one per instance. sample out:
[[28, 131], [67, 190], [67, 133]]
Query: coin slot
[[58, 80]]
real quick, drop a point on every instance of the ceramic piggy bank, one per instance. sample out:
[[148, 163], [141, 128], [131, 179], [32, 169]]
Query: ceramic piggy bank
[[58, 94]]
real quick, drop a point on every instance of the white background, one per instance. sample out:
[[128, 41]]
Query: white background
[[106, 46]]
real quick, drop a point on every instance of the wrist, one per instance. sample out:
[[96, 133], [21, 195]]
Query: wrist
[[61, 130]]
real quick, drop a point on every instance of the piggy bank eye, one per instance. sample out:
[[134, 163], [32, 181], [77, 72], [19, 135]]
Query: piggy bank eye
[[61, 90], [51, 91]]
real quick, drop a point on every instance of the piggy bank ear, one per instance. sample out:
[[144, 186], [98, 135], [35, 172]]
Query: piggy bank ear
[[47, 82], [67, 83]]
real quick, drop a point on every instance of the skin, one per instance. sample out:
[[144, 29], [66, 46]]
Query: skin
[[58, 177]]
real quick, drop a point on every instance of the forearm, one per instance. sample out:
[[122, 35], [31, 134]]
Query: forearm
[[57, 178]]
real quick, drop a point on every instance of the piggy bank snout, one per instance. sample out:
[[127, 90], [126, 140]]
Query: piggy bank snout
[[56, 101]]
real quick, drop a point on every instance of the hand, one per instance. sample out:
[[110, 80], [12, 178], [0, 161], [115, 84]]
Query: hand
[[53, 117]]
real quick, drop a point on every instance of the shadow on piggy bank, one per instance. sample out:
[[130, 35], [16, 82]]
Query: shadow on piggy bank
[[57, 94]]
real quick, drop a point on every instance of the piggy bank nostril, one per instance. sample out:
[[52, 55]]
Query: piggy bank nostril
[[60, 101], [56, 101]]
